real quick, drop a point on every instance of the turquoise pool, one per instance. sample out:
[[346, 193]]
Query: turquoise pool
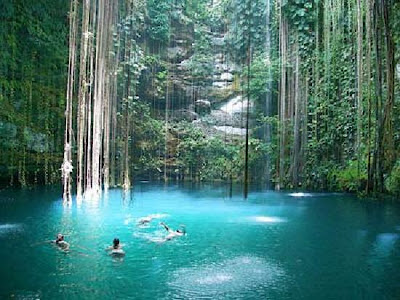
[[271, 246]]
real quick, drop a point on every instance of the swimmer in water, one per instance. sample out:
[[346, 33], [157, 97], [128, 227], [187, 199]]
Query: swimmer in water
[[145, 220], [59, 241], [116, 248], [173, 233]]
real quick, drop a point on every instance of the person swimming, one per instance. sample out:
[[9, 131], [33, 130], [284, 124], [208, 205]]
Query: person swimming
[[116, 248], [116, 244], [59, 241], [145, 220], [173, 233]]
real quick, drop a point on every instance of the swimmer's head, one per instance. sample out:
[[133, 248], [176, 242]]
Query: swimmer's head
[[60, 237], [116, 242], [182, 229]]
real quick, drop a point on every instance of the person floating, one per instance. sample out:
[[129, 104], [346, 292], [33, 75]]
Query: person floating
[[59, 241], [116, 248], [145, 220], [173, 233]]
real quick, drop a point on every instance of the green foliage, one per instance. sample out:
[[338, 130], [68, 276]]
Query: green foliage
[[132, 60], [147, 140], [153, 80], [392, 182], [33, 68], [301, 15], [201, 68], [258, 151], [263, 73], [247, 26], [157, 21], [346, 179], [197, 10], [206, 158]]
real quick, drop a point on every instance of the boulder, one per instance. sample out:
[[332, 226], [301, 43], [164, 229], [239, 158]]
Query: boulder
[[220, 84], [218, 41], [177, 53], [185, 115], [202, 106], [227, 76]]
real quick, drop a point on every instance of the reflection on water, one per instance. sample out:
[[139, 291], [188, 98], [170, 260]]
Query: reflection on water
[[300, 195], [385, 243], [265, 219], [9, 228]]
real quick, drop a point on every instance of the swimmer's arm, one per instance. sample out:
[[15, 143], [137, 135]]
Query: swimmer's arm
[[44, 242], [63, 246], [165, 226], [66, 246]]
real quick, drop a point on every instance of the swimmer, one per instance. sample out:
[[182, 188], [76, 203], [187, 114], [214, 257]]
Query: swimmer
[[145, 220], [149, 218], [173, 233], [59, 241], [116, 248]]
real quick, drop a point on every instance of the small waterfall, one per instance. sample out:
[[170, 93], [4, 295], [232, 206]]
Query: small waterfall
[[229, 117]]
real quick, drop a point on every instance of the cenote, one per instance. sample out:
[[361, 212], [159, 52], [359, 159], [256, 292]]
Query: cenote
[[274, 245]]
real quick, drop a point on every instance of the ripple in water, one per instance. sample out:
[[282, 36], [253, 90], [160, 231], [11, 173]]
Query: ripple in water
[[157, 236], [231, 276]]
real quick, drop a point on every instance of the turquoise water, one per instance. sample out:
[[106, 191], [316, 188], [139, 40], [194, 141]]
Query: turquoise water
[[272, 246]]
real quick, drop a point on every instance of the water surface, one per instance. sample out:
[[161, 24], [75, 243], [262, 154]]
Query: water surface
[[271, 246]]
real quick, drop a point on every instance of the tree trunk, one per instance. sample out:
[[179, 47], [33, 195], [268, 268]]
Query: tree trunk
[[359, 81]]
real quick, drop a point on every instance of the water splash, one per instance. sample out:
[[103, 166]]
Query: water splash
[[153, 237], [158, 216], [129, 219]]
